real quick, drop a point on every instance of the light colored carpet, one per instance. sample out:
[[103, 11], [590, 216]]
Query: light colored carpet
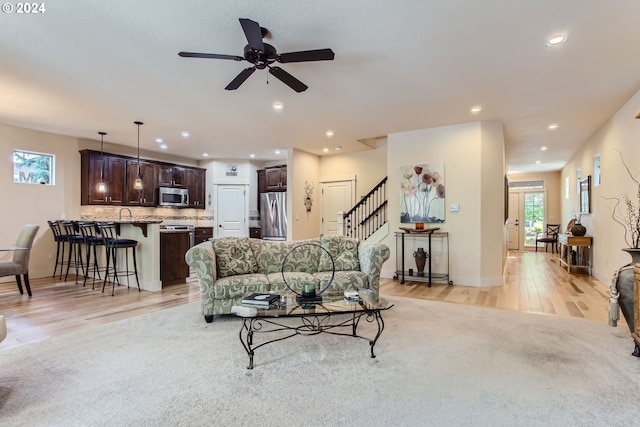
[[438, 364]]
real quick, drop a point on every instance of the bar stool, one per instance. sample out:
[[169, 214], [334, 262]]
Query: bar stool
[[92, 239], [75, 241], [60, 240], [113, 244]]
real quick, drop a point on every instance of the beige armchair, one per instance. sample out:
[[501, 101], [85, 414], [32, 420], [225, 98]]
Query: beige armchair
[[20, 264]]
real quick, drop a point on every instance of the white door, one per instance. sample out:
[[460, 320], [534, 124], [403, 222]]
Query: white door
[[231, 211], [336, 196], [513, 227]]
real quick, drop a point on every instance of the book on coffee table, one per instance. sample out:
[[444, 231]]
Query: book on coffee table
[[260, 299]]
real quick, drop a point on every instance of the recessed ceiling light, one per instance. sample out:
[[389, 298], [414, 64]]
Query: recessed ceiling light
[[185, 134], [544, 148], [553, 126], [537, 162], [277, 151], [557, 40], [253, 156], [205, 154], [329, 133], [325, 150], [339, 147], [278, 106], [476, 109], [164, 146], [159, 140]]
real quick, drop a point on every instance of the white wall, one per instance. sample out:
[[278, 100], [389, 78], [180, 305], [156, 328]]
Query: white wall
[[621, 133], [305, 167], [33, 203], [369, 166], [473, 157]]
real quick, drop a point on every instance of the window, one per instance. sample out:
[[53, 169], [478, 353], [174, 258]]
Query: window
[[33, 168], [526, 185], [596, 170]]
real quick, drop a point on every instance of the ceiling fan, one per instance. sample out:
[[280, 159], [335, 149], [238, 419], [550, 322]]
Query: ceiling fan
[[262, 55]]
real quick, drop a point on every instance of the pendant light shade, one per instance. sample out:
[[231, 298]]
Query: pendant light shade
[[137, 184], [102, 187]]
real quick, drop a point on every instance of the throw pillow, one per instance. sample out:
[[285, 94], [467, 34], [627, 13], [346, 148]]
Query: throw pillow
[[234, 256], [344, 251]]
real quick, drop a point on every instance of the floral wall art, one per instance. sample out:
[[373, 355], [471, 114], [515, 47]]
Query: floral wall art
[[422, 193]]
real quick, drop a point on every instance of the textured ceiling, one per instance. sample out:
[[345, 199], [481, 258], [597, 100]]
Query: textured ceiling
[[84, 66]]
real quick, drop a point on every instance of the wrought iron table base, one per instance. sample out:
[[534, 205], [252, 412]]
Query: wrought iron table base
[[311, 324]]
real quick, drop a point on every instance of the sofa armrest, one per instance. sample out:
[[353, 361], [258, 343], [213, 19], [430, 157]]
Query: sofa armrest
[[371, 257], [3, 328], [202, 258]]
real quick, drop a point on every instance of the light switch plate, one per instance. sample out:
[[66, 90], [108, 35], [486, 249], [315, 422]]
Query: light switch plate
[[455, 208]]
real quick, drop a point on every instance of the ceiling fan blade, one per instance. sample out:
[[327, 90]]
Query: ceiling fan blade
[[209, 56], [240, 78], [306, 55], [288, 79], [253, 33]]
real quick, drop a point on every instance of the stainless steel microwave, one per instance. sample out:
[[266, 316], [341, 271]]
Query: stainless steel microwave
[[173, 197]]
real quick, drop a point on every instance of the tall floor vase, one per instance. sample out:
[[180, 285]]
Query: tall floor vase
[[622, 293]]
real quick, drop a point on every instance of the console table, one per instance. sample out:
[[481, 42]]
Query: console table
[[583, 252]]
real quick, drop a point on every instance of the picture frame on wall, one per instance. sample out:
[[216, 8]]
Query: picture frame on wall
[[422, 193], [585, 194]]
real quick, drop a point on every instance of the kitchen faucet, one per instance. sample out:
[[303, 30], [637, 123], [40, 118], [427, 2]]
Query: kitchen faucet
[[120, 213]]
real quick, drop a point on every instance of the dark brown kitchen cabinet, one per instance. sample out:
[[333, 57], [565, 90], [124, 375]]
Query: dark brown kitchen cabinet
[[148, 174], [202, 234], [276, 178], [196, 181], [255, 232], [172, 176], [173, 267], [93, 165]]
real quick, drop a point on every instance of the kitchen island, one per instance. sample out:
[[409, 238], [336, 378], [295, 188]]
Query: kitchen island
[[147, 234]]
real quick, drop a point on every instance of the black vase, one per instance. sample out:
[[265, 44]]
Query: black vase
[[578, 229], [421, 257]]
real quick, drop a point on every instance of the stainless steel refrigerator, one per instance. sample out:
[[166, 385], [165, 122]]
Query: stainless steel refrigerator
[[273, 216]]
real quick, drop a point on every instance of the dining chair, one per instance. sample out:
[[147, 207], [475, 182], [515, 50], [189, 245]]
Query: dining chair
[[550, 236], [20, 264]]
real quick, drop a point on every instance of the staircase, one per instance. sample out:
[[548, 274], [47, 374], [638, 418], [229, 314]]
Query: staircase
[[367, 220]]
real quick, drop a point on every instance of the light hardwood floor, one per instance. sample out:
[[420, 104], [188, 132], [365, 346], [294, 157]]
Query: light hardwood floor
[[535, 283]]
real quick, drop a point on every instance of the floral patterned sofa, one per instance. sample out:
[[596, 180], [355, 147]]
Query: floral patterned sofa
[[230, 268]]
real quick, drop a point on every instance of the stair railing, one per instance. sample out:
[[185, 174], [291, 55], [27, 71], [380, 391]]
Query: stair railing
[[369, 214]]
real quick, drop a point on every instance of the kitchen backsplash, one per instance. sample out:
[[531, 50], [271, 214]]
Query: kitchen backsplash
[[195, 217]]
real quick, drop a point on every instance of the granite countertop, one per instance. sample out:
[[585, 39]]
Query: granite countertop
[[132, 221]]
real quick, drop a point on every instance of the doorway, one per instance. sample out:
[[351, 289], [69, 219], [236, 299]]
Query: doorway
[[527, 217], [336, 196], [534, 217], [231, 211]]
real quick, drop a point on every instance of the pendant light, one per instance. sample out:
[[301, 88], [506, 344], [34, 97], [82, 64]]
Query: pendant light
[[137, 184], [102, 187]]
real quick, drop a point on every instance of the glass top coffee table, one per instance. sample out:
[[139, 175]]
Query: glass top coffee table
[[334, 315]]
